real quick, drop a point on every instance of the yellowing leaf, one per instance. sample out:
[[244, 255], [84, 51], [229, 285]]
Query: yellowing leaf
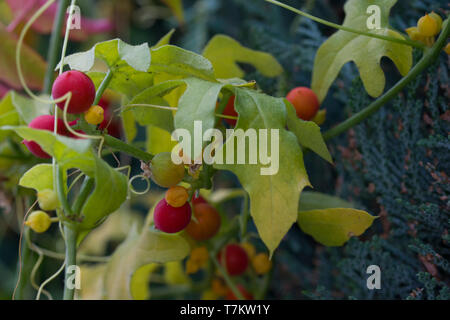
[[137, 251], [177, 8], [366, 52], [159, 140], [334, 227], [225, 52], [308, 133], [312, 200], [273, 198], [140, 282]]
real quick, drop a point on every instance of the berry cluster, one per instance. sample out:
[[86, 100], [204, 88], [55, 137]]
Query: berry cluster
[[427, 28], [82, 97]]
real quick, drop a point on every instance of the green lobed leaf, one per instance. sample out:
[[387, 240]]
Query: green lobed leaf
[[39, 178], [198, 103], [177, 61], [273, 198], [129, 65], [308, 133], [366, 52], [111, 186], [333, 227], [225, 52]]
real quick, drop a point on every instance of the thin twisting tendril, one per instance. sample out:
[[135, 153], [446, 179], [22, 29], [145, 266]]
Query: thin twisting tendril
[[20, 249], [34, 271], [41, 288], [130, 186]]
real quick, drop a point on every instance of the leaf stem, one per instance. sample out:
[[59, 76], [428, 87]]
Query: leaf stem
[[55, 43], [103, 86], [71, 260], [119, 145], [428, 58], [407, 42]]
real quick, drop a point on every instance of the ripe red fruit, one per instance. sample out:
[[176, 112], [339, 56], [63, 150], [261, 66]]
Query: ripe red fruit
[[304, 101], [236, 259], [45, 122], [169, 219], [82, 88], [207, 224], [230, 111], [247, 295]]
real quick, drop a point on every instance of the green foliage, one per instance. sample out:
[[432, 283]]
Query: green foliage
[[110, 186]]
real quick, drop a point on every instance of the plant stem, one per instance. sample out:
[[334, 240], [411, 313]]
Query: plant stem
[[227, 278], [55, 43], [344, 28], [103, 86], [62, 197], [86, 188], [244, 217], [71, 260], [119, 145], [428, 58]]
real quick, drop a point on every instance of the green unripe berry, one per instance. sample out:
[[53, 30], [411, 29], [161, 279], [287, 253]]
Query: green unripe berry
[[165, 173], [48, 200], [38, 221]]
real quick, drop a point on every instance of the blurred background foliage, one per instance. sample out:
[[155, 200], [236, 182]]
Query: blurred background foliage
[[394, 165]]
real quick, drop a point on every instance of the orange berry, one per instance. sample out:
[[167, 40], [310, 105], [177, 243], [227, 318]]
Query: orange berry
[[177, 196], [261, 263], [207, 224], [304, 101], [95, 115]]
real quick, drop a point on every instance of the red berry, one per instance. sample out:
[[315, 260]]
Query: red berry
[[45, 122], [231, 111], [236, 259], [82, 88], [247, 295], [304, 101], [169, 219]]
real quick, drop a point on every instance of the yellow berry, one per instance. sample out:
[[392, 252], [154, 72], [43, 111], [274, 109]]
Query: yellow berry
[[438, 19], [191, 267], [200, 256], [261, 263], [427, 26], [209, 295], [447, 49], [38, 221], [177, 196], [219, 287], [414, 34], [249, 248], [95, 115], [48, 200]]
